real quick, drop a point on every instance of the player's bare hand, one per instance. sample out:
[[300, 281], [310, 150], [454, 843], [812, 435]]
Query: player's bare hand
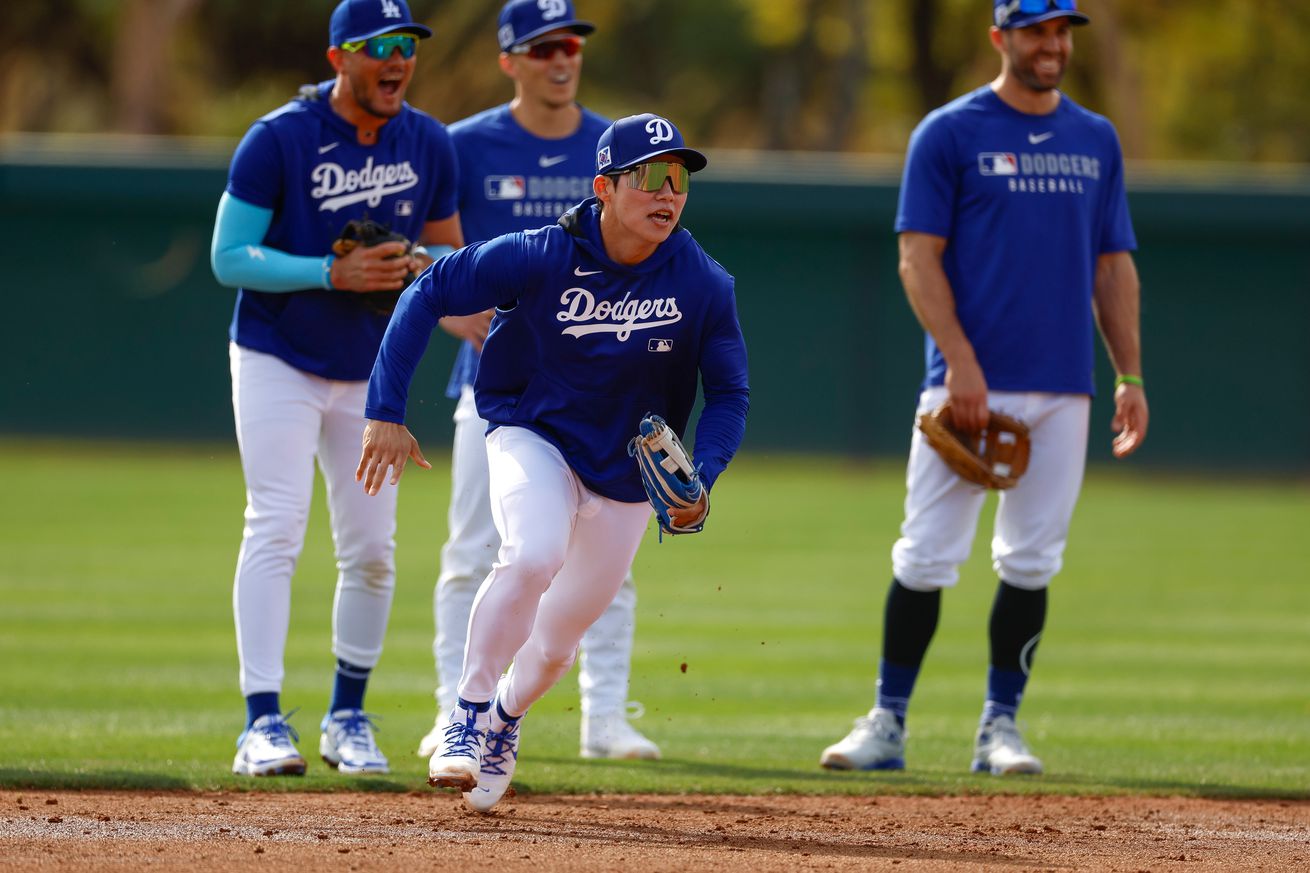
[[967, 390], [386, 446], [473, 328], [377, 268], [1131, 416]]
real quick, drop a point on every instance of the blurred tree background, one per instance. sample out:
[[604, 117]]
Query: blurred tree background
[[1203, 80]]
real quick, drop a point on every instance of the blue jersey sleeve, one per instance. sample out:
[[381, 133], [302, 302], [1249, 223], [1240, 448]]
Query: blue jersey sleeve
[[1117, 230], [256, 175], [929, 181], [473, 279], [723, 372]]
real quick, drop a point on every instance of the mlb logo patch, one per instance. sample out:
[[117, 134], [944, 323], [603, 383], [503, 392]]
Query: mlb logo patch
[[659, 345], [505, 187], [998, 164], [404, 208], [603, 157]]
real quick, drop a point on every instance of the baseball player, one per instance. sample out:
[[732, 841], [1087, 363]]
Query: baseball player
[[304, 337], [521, 165], [600, 319], [1014, 238]]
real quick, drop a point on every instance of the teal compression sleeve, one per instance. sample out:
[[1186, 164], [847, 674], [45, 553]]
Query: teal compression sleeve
[[240, 260]]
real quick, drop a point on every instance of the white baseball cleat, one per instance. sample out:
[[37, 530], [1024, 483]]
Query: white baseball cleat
[[458, 756], [500, 752], [347, 743], [267, 748], [877, 742], [427, 747], [609, 735], [999, 749]]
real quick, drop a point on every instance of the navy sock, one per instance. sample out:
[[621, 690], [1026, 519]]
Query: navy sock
[[1018, 616], [1004, 691], [909, 622], [895, 684], [476, 707], [261, 704], [348, 690], [504, 716]]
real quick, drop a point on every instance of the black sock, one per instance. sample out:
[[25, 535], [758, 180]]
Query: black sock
[[909, 621], [1018, 616]]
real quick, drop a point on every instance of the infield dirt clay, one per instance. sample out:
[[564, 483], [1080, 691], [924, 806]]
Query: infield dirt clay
[[430, 830]]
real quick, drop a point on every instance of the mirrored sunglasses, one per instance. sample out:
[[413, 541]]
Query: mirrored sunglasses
[[544, 49], [652, 176], [379, 48], [1033, 6]]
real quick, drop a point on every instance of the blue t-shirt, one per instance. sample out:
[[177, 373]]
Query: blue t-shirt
[[1027, 203], [582, 348], [511, 180], [303, 161]]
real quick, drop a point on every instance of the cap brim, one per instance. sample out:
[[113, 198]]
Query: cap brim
[[694, 160], [581, 28], [1028, 21], [420, 30]]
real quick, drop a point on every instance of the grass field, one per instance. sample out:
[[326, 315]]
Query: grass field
[[1176, 658]]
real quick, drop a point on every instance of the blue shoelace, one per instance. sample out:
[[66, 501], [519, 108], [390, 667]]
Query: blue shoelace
[[462, 737], [279, 727], [356, 728], [499, 744]]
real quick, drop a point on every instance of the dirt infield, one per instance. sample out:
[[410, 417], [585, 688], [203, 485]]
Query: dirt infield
[[430, 830]]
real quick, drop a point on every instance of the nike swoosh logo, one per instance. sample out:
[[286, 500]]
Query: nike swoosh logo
[[322, 150], [1039, 138], [545, 162], [578, 271]]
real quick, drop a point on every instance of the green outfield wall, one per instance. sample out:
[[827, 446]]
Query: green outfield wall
[[116, 328]]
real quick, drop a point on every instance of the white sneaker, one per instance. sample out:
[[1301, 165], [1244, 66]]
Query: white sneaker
[[500, 752], [267, 748], [458, 757], [611, 736], [427, 747], [999, 749], [877, 742], [347, 743]]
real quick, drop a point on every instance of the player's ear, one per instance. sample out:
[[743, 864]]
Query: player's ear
[[507, 65], [336, 57], [603, 187], [997, 37]]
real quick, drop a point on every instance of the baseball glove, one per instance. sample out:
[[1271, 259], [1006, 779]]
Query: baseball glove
[[368, 233], [671, 482], [995, 457]]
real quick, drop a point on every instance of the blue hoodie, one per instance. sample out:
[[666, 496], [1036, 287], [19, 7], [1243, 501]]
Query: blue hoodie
[[581, 347]]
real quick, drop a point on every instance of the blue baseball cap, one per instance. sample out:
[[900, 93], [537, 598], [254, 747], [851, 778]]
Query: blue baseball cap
[[1010, 14], [523, 20], [354, 20], [638, 138]]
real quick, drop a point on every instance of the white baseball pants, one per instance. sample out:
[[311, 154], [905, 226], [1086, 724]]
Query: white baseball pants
[[563, 554], [466, 560], [285, 418], [1032, 518]]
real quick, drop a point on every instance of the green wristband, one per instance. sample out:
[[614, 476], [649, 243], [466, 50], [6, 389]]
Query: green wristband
[[1129, 380]]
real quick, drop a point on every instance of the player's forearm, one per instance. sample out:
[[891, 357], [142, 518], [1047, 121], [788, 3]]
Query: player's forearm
[[403, 345], [725, 382], [930, 296], [719, 432], [1116, 300], [240, 260]]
